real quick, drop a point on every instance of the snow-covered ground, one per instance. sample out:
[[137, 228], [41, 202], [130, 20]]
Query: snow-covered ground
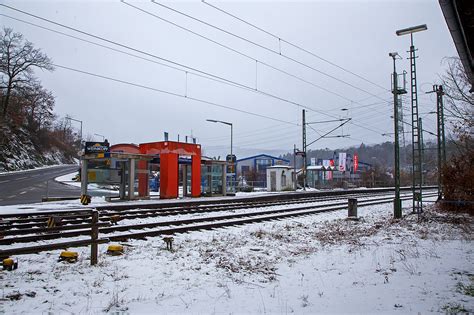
[[69, 179], [312, 264]]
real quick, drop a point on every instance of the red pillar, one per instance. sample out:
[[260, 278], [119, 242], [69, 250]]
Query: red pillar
[[143, 178], [168, 175], [196, 175]]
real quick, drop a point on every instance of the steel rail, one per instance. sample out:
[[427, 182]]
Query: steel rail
[[40, 223], [42, 217], [253, 219], [33, 238]]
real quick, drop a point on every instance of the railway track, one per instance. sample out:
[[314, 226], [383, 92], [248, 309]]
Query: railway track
[[187, 224], [25, 221]]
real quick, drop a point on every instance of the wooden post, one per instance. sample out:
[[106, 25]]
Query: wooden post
[[94, 237], [131, 179], [84, 178], [224, 179], [352, 206]]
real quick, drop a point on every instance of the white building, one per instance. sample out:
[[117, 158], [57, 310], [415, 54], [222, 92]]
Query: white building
[[280, 177]]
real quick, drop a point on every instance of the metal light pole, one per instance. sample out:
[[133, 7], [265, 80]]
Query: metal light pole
[[103, 137], [397, 207], [231, 141], [417, 149], [79, 121]]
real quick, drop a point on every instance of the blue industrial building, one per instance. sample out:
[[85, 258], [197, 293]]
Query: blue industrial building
[[253, 168]]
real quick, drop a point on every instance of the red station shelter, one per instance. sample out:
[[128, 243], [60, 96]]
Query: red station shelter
[[169, 152]]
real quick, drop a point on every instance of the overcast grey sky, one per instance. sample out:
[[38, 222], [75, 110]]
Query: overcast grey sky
[[355, 35]]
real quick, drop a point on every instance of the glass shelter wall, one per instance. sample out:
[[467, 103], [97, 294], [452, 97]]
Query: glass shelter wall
[[212, 176]]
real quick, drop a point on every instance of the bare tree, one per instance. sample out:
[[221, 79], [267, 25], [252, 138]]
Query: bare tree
[[460, 102], [37, 106], [18, 58], [458, 173]]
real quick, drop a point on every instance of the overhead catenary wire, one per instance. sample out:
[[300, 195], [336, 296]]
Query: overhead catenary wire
[[249, 57], [246, 40], [124, 52], [293, 45], [253, 59], [292, 59], [329, 132], [219, 79], [207, 74], [252, 133], [147, 60], [172, 94]]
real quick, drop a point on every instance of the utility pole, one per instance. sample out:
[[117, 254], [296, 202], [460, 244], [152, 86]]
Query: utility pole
[[419, 198], [304, 150], [438, 89], [397, 206], [295, 177], [440, 137], [417, 165], [416, 137]]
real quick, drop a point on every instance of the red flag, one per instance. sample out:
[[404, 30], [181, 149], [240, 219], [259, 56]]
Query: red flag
[[356, 162]]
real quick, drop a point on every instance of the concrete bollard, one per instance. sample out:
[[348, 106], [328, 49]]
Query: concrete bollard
[[352, 207]]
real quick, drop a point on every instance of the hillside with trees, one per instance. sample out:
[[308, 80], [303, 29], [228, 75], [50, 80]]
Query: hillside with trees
[[31, 135], [381, 158]]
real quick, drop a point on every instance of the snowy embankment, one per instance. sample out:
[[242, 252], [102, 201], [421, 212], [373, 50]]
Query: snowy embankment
[[312, 264], [21, 153]]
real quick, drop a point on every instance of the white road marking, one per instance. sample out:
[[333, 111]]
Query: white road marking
[[23, 192], [4, 181], [22, 178], [10, 197]]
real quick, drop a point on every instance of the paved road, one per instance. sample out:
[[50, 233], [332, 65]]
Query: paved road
[[31, 186]]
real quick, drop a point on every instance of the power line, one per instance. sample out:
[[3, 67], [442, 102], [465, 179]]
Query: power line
[[173, 94], [258, 61], [244, 134], [252, 58], [330, 131], [247, 40], [293, 45], [238, 52], [107, 47], [296, 46], [103, 46], [206, 74]]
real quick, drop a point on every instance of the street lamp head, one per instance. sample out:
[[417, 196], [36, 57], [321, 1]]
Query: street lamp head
[[411, 30], [393, 54], [96, 134], [219, 121]]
